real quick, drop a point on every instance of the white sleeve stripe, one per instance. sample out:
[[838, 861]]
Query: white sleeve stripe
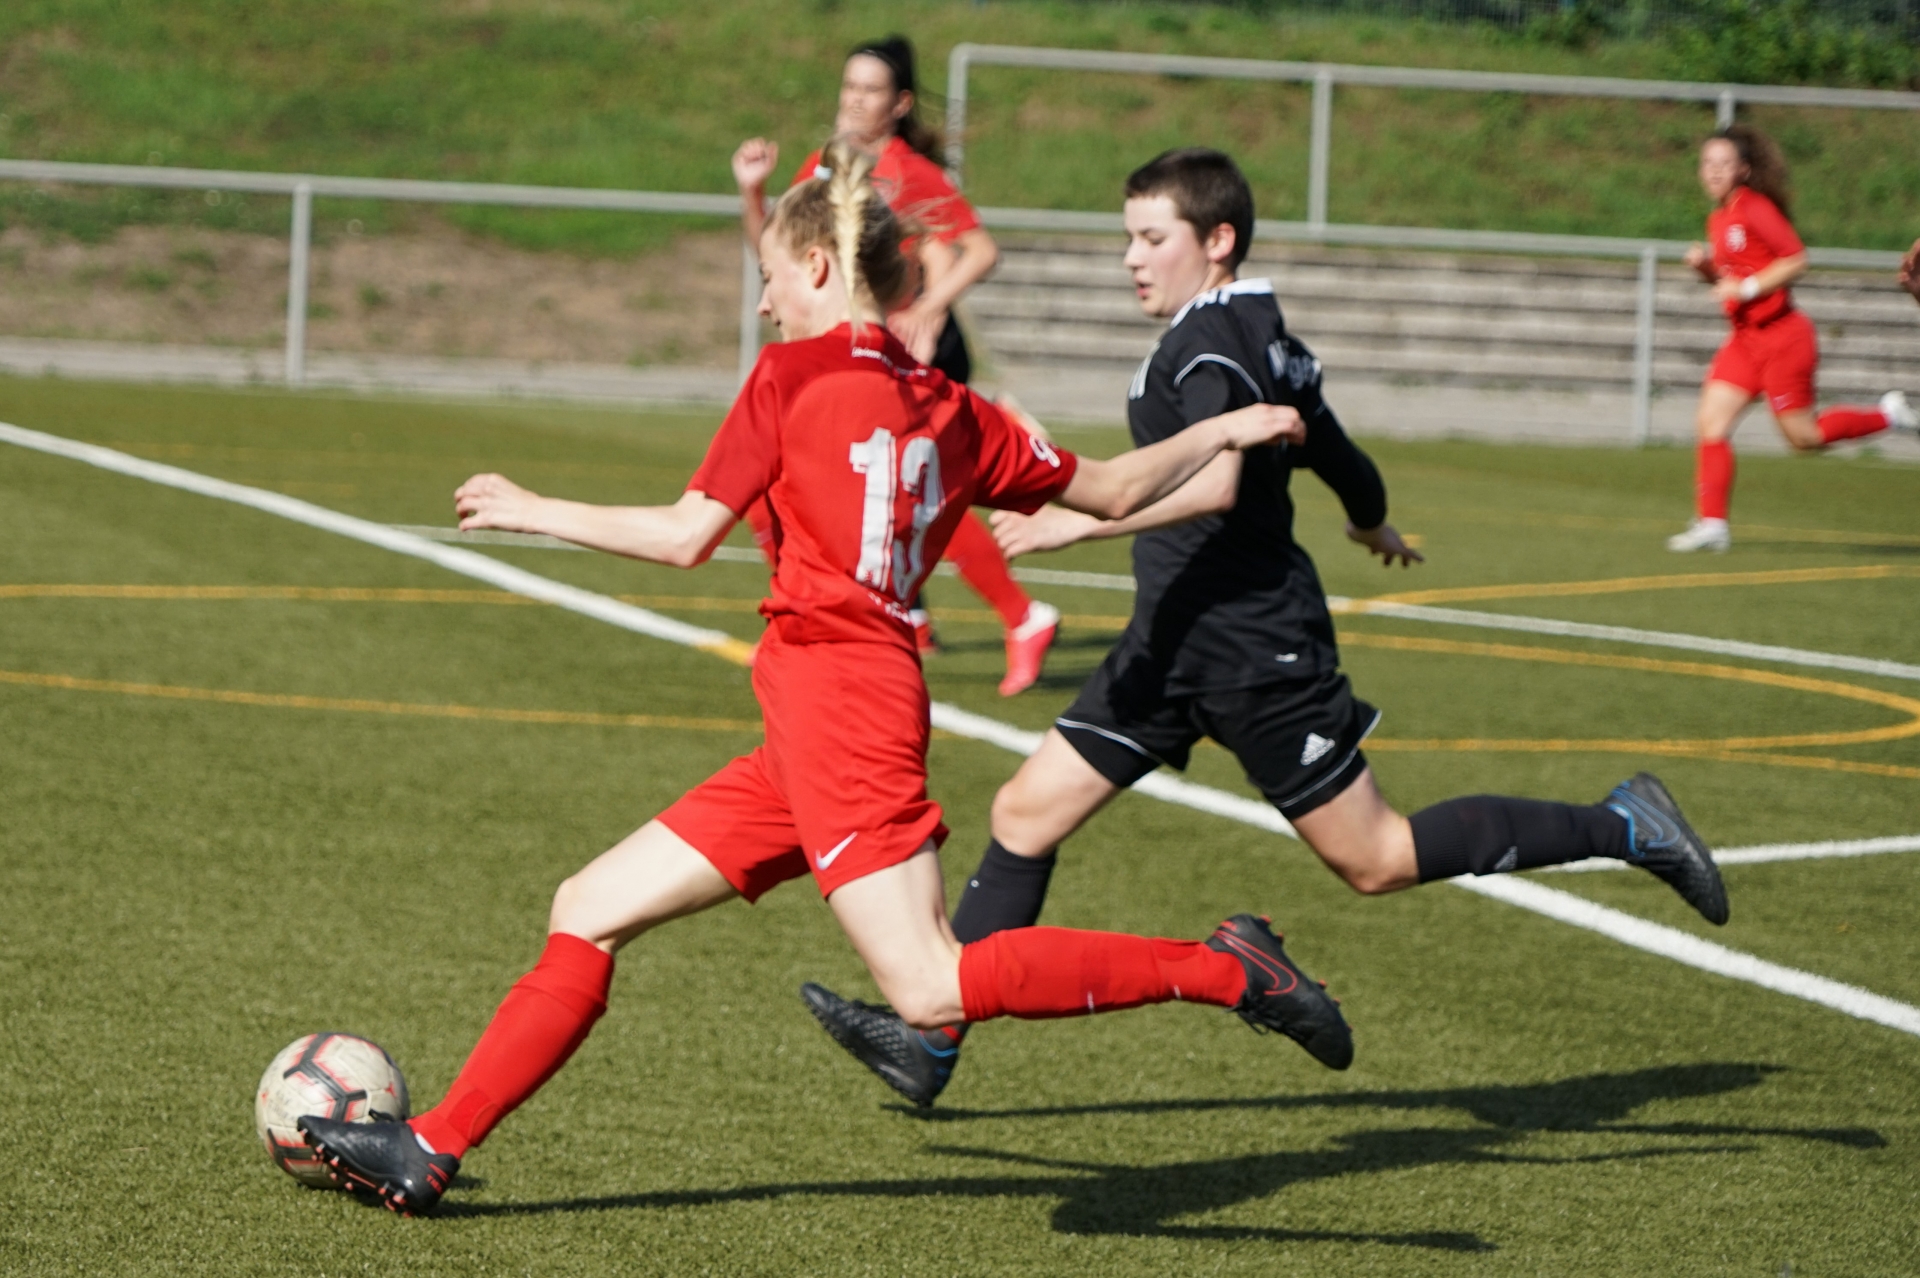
[[1198, 360]]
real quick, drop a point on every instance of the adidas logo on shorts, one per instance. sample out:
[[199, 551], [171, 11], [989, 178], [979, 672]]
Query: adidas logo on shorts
[[1317, 747]]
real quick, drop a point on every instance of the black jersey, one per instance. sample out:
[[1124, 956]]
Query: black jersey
[[1231, 600]]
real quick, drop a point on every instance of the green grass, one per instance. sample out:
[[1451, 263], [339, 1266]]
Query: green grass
[[655, 95], [192, 885]]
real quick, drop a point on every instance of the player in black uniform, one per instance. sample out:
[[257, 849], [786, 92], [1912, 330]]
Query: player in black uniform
[[1231, 639]]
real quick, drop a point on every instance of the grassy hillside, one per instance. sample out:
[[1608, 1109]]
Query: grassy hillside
[[655, 93]]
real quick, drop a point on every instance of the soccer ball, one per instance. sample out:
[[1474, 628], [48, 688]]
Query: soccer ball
[[326, 1075]]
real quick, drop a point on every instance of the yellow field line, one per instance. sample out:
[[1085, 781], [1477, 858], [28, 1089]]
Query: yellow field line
[[283, 701], [1656, 665], [1625, 585], [1761, 532], [738, 652]]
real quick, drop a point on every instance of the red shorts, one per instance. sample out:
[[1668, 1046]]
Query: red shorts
[[839, 788], [1776, 360]]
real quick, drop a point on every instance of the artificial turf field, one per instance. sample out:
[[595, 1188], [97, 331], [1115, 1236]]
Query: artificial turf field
[[194, 882]]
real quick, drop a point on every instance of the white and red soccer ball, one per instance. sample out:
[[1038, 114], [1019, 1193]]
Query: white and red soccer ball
[[325, 1075]]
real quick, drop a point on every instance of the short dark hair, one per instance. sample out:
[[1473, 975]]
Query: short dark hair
[[1207, 188]]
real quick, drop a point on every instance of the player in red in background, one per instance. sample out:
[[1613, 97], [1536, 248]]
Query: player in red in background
[[868, 460], [1753, 256], [878, 115]]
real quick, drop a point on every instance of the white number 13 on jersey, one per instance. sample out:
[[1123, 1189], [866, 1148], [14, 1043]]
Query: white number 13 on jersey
[[887, 562]]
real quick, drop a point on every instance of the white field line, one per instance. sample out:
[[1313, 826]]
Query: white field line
[[1383, 608], [1769, 852], [1627, 634], [1689, 949], [465, 562], [1563, 906]]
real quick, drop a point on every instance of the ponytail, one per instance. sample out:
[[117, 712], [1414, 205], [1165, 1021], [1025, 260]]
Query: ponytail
[[1766, 167], [842, 214]]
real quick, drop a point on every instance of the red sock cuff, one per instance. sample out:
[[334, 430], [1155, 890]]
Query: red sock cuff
[[1850, 423], [980, 980], [575, 971], [1713, 479]]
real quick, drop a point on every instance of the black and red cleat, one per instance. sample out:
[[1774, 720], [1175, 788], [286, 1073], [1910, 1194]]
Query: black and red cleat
[[384, 1159], [915, 1064], [1281, 997]]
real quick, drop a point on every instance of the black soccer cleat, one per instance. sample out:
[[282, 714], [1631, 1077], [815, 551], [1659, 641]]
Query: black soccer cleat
[[1660, 841], [1280, 996], [885, 1044], [384, 1159]]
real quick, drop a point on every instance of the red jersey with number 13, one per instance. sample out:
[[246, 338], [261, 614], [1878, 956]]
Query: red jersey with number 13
[[867, 460], [1749, 233]]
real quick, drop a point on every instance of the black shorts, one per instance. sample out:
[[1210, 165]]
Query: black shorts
[[1299, 742], [950, 353]]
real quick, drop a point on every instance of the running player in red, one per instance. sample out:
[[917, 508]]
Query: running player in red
[[1753, 256], [879, 115], [868, 460]]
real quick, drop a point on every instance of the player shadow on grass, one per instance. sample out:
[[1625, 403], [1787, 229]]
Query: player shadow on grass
[[1115, 1199]]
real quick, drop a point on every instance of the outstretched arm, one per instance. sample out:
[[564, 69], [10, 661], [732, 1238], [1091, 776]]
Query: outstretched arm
[[682, 535], [1117, 488], [1356, 481], [1210, 492]]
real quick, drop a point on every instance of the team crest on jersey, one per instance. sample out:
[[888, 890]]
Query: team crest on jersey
[[1736, 237]]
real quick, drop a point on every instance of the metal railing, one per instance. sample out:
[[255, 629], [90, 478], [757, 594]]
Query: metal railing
[[302, 189], [1324, 75]]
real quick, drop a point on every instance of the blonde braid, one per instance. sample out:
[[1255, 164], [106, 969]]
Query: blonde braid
[[848, 194]]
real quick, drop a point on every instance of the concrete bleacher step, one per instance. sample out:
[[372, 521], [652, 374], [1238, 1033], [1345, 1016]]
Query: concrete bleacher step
[[1516, 322]]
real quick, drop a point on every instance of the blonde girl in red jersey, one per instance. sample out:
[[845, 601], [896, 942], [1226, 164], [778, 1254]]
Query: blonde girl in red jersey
[[1752, 257], [868, 459], [879, 114]]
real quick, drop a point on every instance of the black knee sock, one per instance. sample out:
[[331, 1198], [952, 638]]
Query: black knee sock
[[1489, 834], [1007, 891]]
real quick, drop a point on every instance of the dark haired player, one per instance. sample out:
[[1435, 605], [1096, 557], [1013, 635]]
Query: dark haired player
[[1772, 351], [1231, 639], [879, 115]]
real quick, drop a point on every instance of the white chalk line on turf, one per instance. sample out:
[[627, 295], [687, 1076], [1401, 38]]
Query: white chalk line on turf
[[1562, 906], [1766, 852], [1340, 604], [1672, 943], [466, 562]]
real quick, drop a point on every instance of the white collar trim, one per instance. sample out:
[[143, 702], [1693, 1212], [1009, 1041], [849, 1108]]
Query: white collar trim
[[1212, 296]]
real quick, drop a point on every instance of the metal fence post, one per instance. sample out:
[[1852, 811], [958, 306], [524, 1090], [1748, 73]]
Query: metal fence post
[[1320, 148], [302, 243], [1643, 347], [749, 308], [956, 126], [1723, 109]]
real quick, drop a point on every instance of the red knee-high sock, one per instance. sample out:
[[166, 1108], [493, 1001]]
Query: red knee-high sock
[[1849, 422], [1713, 479], [982, 566], [1040, 972], [545, 1016]]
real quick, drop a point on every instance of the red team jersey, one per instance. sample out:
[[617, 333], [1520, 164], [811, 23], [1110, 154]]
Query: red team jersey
[[1749, 233], [867, 461], [1773, 349], [914, 187]]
